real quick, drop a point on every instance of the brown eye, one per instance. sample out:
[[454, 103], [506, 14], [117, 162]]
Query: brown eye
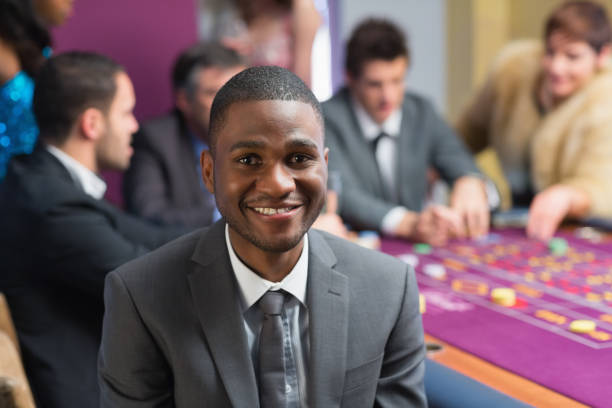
[[249, 160], [299, 158]]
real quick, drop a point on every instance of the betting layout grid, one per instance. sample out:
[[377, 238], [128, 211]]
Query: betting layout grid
[[551, 290]]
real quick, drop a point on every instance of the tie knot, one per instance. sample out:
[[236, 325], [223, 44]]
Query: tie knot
[[271, 303], [377, 139]]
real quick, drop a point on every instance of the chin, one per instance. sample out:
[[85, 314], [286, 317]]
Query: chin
[[280, 244]]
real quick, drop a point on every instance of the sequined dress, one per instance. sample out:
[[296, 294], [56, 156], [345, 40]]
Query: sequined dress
[[18, 130]]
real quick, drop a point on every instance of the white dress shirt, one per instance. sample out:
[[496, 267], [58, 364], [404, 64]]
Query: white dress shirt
[[252, 288], [86, 179]]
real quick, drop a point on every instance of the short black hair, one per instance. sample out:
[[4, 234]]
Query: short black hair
[[374, 39], [67, 85], [203, 55], [265, 83], [23, 31]]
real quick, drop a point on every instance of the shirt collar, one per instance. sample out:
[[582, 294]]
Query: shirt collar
[[86, 179], [371, 129], [252, 286]]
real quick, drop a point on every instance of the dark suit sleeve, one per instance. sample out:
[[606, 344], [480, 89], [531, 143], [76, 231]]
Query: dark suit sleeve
[[358, 207], [146, 189], [449, 154], [131, 368], [86, 242], [401, 382]]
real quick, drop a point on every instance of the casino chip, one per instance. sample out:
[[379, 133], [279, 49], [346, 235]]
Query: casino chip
[[503, 296], [422, 248], [410, 259], [422, 303], [435, 271], [582, 326], [557, 246]]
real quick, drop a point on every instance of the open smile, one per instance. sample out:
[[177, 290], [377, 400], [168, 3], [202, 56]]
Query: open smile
[[276, 212], [272, 211]]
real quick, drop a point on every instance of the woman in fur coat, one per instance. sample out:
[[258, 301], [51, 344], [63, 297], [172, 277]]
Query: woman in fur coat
[[546, 109]]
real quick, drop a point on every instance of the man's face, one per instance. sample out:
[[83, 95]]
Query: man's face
[[269, 173], [207, 83], [113, 150], [380, 87]]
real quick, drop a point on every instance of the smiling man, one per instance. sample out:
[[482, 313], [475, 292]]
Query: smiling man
[[259, 309]]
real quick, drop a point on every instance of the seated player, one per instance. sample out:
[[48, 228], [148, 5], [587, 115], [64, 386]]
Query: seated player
[[382, 142], [59, 238], [185, 325], [164, 182], [546, 111]]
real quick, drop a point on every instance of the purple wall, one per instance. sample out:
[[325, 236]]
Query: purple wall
[[144, 36]]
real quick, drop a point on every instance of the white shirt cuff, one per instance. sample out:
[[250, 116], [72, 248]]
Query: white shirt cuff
[[392, 219]]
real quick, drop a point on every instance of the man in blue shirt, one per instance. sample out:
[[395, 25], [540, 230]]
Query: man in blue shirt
[[163, 183]]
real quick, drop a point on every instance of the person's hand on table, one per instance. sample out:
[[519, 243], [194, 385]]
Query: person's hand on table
[[469, 200], [330, 221], [551, 206], [435, 225]]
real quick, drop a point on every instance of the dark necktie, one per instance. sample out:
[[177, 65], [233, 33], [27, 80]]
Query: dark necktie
[[271, 353], [376, 140]]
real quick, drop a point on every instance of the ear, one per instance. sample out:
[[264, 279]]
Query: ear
[[91, 123], [182, 101], [349, 79], [325, 155], [603, 58], [208, 165]]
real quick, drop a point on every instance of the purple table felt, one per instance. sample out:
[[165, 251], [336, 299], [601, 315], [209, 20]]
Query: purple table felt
[[532, 338]]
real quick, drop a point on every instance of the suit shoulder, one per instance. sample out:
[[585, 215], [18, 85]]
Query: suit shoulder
[[419, 103], [159, 128], [359, 260], [167, 260], [339, 104]]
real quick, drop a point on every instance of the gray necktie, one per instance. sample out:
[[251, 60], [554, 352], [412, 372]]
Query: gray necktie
[[271, 353]]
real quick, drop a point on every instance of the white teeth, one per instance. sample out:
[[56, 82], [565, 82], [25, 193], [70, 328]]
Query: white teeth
[[271, 211]]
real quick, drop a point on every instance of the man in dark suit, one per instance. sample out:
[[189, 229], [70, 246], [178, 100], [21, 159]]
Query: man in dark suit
[[188, 324], [59, 238], [163, 183], [383, 141]]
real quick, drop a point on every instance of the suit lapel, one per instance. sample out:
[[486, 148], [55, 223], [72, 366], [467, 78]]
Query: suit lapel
[[216, 299], [188, 165], [327, 298], [362, 152], [407, 156]]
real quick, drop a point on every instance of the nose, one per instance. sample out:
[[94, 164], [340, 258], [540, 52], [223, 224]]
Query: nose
[[135, 125], [389, 92], [557, 64], [276, 181]]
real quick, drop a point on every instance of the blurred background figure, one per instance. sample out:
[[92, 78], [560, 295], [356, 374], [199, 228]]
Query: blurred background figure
[[267, 32], [546, 111], [164, 182], [24, 44], [383, 139], [59, 237]]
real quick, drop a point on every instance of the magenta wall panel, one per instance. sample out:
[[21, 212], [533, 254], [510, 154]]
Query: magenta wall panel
[[144, 36]]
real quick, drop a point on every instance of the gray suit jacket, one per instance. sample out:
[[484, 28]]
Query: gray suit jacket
[[174, 336], [163, 182], [424, 141]]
